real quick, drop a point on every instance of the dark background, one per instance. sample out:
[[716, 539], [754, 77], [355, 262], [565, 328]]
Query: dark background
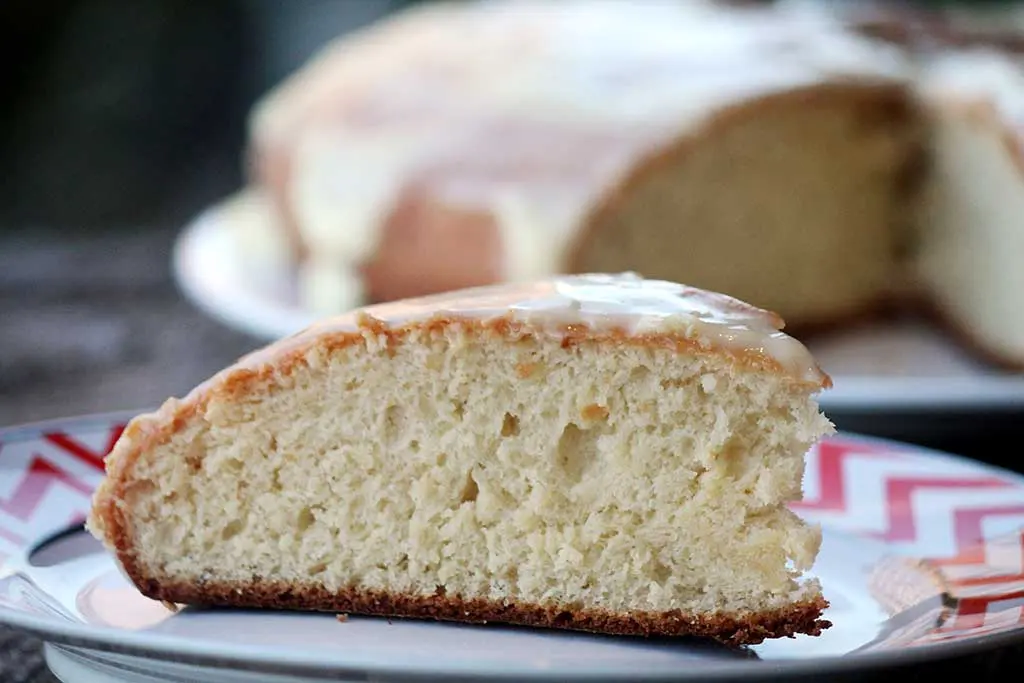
[[121, 112]]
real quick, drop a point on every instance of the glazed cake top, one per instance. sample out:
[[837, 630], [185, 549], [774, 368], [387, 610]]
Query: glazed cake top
[[597, 306]]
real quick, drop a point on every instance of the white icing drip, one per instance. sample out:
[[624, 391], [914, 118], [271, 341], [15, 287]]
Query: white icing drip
[[525, 225], [326, 287], [345, 184], [256, 232]]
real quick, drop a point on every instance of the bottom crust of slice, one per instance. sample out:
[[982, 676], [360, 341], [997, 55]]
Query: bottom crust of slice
[[802, 617]]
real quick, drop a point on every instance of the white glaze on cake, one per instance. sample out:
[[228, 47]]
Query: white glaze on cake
[[600, 305], [526, 111]]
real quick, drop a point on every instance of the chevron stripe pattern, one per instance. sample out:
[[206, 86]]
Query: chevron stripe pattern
[[962, 519], [47, 478]]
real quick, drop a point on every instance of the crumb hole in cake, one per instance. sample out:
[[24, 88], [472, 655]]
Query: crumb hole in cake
[[352, 385], [562, 619], [513, 576], [194, 456], [233, 465], [394, 417], [141, 487], [526, 370], [459, 409], [307, 517], [639, 374], [674, 383], [660, 573], [275, 481], [402, 564], [470, 489], [233, 528], [594, 413], [510, 425], [318, 568], [736, 462], [441, 460], [414, 446], [576, 448]]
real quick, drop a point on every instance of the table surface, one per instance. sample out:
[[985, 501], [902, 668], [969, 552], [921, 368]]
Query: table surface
[[94, 323]]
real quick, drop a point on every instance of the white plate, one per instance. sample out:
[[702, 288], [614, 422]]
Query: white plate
[[884, 507], [899, 366]]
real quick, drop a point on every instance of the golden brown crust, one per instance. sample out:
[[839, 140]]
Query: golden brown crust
[[798, 618]]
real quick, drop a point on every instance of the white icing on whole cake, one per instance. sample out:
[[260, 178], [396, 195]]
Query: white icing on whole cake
[[526, 111]]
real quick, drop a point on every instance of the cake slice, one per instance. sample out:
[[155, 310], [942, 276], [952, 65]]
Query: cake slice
[[595, 452]]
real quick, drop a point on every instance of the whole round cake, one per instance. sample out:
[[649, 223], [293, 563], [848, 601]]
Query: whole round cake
[[809, 162]]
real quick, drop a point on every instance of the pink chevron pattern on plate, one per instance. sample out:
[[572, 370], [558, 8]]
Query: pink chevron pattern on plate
[[958, 523], [963, 520]]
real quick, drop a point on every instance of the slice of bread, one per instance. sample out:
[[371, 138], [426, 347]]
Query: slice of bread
[[596, 452]]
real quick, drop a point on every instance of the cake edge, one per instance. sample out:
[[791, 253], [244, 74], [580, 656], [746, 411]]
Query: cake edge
[[803, 616]]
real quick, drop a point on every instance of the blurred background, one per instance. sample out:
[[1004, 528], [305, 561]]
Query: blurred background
[[121, 120], [119, 112]]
